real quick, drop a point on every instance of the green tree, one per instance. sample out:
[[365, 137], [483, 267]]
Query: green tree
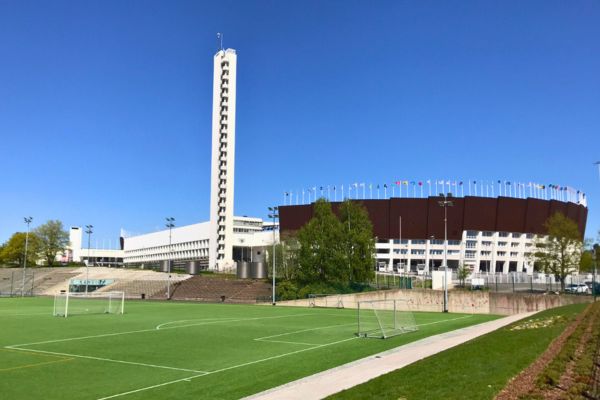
[[13, 252], [559, 253], [321, 256], [462, 273], [358, 243], [53, 240]]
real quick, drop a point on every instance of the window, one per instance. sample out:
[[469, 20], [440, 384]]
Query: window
[[530, 236], [514, 244], [469, 254], [501, 253], [502, 244], [418, 241], [403, 241], [417, 252], [472, 234], [516, 235], [453, 242], [402, 251], [486, 244], [471, 244], [436, 241], [514, 253], [486, 253], [487, 234], [436, 252], [503, 234]]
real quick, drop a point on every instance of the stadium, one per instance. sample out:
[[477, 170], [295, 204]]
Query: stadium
[[486, 234]]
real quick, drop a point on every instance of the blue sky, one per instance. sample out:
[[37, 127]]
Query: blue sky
[[105, 106]]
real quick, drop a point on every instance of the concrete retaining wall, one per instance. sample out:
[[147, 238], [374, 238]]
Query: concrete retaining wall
[[477, 302]]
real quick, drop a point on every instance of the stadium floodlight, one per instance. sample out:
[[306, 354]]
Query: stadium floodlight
[[385, 318], [170, 224], [446, 203], [274, 215], [27, 221], [89, 231], [67, 304]]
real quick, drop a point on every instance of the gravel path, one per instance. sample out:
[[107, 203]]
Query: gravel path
[[346, 376]]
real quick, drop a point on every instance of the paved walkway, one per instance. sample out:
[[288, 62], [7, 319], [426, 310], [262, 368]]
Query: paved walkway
[[346, 376]]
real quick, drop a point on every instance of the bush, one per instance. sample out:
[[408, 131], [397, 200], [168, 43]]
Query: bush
[[286, 290]]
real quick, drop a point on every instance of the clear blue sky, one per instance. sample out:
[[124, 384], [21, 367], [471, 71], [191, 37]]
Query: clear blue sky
[[105, 106]]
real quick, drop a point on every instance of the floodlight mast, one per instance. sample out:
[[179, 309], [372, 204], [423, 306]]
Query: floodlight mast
[[170, 224], [89, 231], [446, 203], [274, 215], [27, 221]]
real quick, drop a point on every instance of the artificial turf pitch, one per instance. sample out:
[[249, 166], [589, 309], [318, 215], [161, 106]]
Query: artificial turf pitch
[[168, 350]]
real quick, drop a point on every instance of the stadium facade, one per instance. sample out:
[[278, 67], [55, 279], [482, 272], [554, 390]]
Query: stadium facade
[[486, 234]]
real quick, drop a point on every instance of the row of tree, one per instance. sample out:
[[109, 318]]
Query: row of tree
[[43, 243]]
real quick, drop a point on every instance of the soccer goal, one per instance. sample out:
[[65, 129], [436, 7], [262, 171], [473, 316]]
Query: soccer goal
[[68, 304], [385, 318], [325, 300]]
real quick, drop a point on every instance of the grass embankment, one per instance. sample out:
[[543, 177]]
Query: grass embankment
[[478, 369], [569, 374]]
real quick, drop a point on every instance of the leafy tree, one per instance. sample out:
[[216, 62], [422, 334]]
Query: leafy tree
[[53, 240], [358, 243], [559, 253], [462, 273], [286, 257], [321, 256], [13, 251]]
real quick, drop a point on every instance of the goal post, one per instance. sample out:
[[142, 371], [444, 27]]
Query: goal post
[[385, 318], [325, 300], [73, 303]]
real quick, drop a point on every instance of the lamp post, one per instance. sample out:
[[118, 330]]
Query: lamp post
[[89, 231], [445, 203], [27, 221], [273, 215], [170, 224]]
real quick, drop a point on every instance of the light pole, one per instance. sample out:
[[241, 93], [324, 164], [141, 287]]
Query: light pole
[[27, 221], [89, 231], [445, 203], [170, 224], [273, 215]]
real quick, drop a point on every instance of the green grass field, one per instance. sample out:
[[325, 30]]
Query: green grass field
[[162, 350]]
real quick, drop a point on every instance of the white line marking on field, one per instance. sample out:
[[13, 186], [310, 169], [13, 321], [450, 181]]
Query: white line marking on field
[[283, 341], [225, 369], [111, 360], [198, 319], [445, 320], [303, 330], [236, 320]]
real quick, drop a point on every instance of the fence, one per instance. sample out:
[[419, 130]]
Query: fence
[[16, 283]]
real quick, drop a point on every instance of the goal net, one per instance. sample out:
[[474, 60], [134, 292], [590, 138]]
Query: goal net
[[67, 304], [385, 318], [325, 300]]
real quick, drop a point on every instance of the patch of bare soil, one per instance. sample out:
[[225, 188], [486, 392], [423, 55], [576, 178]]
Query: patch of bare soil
[[524, 383]]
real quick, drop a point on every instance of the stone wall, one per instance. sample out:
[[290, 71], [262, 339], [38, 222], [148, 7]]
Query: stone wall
[[477, 302]]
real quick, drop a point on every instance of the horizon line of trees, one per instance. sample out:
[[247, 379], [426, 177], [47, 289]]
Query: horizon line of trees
[[43, 243]]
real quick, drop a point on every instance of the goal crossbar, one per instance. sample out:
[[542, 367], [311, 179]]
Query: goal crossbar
[[73, 303], [333, 300], [385, 318]]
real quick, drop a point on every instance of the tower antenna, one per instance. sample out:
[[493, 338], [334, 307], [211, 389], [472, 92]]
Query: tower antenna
[[219, 40]]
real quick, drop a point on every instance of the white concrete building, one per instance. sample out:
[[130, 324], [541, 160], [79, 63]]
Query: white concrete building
[[78, 251], [480, 251]]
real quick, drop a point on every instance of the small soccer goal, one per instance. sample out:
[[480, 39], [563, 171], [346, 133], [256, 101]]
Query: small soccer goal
[[325, 300], [67, 304], [385, 318]]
